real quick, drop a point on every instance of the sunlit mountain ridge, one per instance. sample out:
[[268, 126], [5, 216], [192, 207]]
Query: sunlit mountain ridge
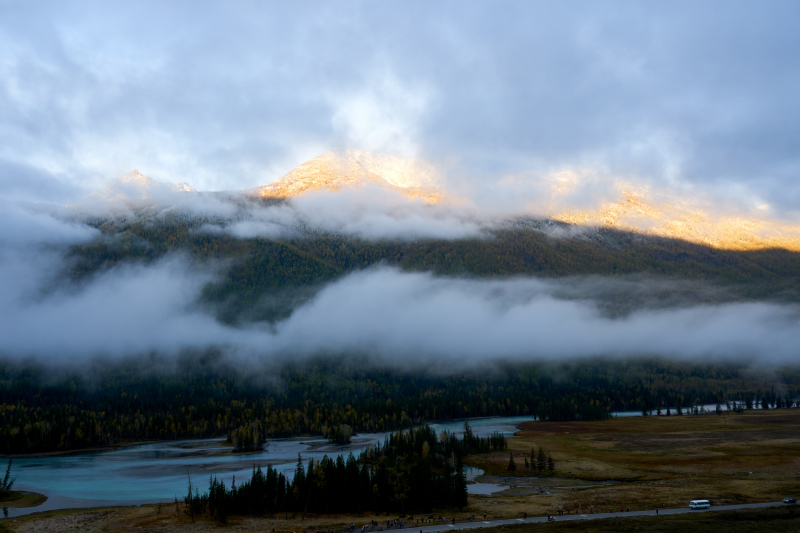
[[334, 171], [686, 219], [622, 206]]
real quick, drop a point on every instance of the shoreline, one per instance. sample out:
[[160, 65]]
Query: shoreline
[[612, 415], [25, 500], [59, 453]]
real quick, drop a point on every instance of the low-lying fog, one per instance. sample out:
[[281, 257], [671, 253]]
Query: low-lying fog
[[396, 316]]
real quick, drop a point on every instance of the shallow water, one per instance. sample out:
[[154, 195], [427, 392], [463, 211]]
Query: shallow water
[[149, 473], [486, 489]]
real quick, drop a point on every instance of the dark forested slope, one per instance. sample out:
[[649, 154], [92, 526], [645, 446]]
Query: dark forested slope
[[252, 268]]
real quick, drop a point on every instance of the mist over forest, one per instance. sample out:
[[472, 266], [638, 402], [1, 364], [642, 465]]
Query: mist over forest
[[163, 278], [188, 315]]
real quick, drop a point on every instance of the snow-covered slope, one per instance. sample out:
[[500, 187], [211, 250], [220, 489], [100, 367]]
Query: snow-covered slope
[[619, 205], [355, 168]]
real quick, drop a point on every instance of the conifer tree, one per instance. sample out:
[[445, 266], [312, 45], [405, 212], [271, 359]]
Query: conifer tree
[[8, 481], [512, 466], [460, 496], [541, 460]]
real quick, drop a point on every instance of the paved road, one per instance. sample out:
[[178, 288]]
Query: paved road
[[478, 523]]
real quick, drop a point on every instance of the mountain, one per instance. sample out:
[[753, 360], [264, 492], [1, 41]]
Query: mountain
[[679, 218], [334, 171], [135, 190], [611, 205]]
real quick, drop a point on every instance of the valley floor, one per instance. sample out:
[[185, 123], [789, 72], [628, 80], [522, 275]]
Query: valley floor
[[641, 463], [635, 463]]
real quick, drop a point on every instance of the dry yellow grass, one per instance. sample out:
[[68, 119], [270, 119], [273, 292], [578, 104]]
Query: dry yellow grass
[[641, 463]]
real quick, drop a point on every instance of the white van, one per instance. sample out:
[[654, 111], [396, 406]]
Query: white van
[[699, 504]]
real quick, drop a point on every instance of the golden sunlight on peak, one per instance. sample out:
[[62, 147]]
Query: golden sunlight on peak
[[692, 220], [334, 171]]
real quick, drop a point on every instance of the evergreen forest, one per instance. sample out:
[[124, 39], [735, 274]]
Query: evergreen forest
[[412, 471], [203, 395]]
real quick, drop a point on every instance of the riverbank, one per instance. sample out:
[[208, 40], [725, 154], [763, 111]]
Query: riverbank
[[22, 499], [64, 453]]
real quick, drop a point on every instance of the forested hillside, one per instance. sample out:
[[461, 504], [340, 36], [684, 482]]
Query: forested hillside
[[149, 399], [289, 268]]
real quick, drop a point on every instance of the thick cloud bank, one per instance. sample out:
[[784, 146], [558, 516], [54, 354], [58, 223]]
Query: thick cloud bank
[[412, 316], [368, 213], [700, 94], [400, 318]]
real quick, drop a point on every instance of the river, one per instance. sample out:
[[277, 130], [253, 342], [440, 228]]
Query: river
[[153, 472]]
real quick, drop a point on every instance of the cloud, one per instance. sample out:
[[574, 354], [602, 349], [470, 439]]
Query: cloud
[[33, 225], [375, 214], [410, 317], [382, 115], [222, 98], [398, 318], [130, 310], [370, 212]]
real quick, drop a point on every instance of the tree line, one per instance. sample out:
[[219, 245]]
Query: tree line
[[202, 395], [539, 463]]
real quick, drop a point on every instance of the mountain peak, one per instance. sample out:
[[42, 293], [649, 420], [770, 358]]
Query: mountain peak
[[135, 188], [335, 171]]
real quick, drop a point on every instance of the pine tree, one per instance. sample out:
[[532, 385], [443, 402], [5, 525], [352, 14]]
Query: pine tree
[[551, 465], [8, 481], [512, 466], [541, 460], [460, 486]]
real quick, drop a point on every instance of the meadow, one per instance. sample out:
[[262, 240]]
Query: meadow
[[640, 463]]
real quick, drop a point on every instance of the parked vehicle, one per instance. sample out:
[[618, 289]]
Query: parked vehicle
[[790, 500], [699, 504]]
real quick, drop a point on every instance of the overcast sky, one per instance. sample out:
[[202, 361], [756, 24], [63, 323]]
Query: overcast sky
[[230, 95]]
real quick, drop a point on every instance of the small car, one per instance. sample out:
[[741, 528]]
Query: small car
[[790, 500]]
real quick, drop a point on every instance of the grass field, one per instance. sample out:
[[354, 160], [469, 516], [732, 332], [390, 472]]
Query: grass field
[[646, 462]]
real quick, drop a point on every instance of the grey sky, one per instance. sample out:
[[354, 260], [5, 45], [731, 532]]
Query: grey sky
[[232, 95]]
